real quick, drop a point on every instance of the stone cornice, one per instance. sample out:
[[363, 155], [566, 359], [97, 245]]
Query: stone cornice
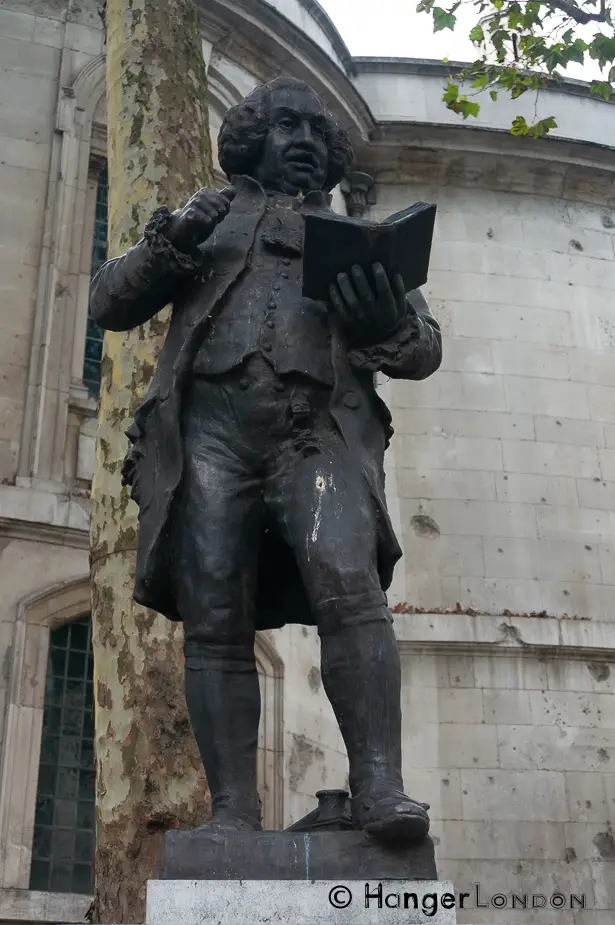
[[43, 533], [320, 16], [434, 68], [486, 634], [34, 906], [505, 635], [485, 140], [440, 155]]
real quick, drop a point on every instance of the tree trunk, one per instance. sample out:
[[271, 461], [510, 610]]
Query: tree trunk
[[149, 776]]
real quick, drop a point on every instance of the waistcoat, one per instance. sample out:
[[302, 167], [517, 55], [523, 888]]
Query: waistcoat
[[265, 312]]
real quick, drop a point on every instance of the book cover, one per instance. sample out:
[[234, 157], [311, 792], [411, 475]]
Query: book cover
[[334, 243]]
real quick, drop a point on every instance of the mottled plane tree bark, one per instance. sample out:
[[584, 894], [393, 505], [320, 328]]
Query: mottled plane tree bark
[[149, 776]]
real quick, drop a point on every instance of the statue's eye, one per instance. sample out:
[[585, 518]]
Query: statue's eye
[[286, 124]]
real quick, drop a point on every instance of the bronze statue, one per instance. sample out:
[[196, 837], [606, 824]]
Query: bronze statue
[[257, 455]]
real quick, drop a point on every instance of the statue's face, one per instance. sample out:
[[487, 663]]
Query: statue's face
[[295, 155]]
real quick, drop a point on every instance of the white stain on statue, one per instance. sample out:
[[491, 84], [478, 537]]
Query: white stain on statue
[[322, 483]]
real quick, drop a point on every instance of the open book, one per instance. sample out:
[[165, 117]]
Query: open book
[[334, 243]]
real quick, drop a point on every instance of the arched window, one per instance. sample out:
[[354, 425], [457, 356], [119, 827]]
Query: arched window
[[64, 823], [94, 335]]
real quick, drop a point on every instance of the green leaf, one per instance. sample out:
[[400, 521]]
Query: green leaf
[[477, 35], [464, 107], [500, 37], [493, 94], [601, 88], [425, 6], [510, 78], [537, 81], [461, 105], [531, 16], [520, 126], [532, 45], [602, 49], [538, 130], [468, 109], [554, 58], [533, 8], [515, 17], [481, 81], [442, 19], [518, 90], [498, 4], [577, 50], [543, 127], [451, 94]]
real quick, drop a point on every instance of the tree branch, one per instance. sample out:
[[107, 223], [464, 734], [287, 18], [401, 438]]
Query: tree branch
[[580, 16]]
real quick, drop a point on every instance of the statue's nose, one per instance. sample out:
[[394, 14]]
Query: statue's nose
[[304, 132]]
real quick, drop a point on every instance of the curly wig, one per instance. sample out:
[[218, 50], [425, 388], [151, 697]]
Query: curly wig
[[245, 126]]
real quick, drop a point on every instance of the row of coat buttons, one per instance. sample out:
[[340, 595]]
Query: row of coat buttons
[[271, 304]]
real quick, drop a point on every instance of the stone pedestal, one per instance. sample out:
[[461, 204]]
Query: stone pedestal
[[203, 855], [300, 902], [315, 878]]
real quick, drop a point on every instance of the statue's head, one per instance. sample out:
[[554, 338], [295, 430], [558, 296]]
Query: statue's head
[[284, 136]]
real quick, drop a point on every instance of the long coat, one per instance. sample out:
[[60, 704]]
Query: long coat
[[129, 290]]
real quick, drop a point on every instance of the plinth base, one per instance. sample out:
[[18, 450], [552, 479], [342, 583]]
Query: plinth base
[[203, 855], [315, 902]]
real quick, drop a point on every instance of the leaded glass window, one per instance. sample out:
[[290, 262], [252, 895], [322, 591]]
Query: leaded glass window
[[64, 824], [94, 335]]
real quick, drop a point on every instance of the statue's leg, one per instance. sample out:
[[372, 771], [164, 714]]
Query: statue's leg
[[323, 506], [361, 676], [217, 525], [223, 698]]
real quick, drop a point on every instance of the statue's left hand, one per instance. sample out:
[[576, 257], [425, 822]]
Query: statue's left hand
[[369, 314]]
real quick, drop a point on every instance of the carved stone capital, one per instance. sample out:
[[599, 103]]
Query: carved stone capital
[[358, 190]]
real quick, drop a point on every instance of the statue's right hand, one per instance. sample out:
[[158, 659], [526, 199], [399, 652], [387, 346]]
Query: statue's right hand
[[193, 224]]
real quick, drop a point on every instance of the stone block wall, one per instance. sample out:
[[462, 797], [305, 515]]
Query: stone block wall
[[30, 50], [503, 481], [505, 460], [513, 752]]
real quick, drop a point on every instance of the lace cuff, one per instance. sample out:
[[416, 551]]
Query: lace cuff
[[390, 351], [155, 235]]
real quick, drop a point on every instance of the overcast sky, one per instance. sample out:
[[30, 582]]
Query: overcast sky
[[392, 28]]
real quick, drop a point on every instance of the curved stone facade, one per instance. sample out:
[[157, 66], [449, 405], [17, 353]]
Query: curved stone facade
[[501, 475], [505, 464]]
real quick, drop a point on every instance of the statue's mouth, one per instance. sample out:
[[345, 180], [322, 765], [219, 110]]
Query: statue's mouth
[[303, 161]]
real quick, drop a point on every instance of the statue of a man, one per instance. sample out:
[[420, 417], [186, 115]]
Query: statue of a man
[[257, 455]]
